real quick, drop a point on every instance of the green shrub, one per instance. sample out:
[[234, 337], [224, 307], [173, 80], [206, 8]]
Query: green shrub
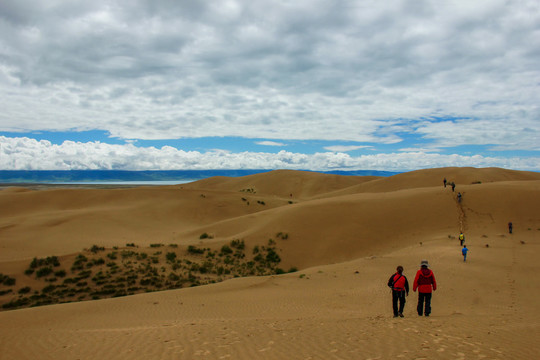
[[127, 254], [25, 290], [60, 273], [156, 245], [96, 248], [258, 257], [205, 236], [238, 244], [6, 280], [272, 256], [171, 256], [99, 261], [44, 272], [225, 250], [78, 264], [195, 250], [84, 274], [48, 289], [17, 303], [50, 260]]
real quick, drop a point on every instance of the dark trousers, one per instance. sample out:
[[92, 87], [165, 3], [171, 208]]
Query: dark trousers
[[398, 295], [424, 299]]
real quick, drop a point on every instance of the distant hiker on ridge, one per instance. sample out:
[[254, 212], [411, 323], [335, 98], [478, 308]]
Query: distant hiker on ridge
[[459, 197], [453, 185], [444, 182], [510, 227], [424, 282], [400, 286], [461, 238]]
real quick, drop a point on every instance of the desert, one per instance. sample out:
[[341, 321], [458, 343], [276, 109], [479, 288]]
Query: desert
[[295, 265]]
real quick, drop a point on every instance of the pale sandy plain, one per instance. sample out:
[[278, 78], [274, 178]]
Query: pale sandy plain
[[346, 236]]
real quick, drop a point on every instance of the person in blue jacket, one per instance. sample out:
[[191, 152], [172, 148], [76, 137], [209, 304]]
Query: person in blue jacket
[[464, 252], [400, 287]]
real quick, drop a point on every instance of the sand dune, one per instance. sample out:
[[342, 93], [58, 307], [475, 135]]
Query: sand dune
[[345, 234]]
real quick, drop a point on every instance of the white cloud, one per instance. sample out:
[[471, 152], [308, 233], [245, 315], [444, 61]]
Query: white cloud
[[348, 71], [30, 154], [345, 148], [419, 149], [270, 143]]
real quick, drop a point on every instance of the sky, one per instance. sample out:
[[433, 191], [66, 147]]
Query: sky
[[393, 85]]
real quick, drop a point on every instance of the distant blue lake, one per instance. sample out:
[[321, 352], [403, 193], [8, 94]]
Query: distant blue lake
[[121, 177]]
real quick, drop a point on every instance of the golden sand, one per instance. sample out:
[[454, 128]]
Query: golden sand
[[345, 234]]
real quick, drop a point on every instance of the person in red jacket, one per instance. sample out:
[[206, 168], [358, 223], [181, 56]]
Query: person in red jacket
[[424, 281], [400, 286]]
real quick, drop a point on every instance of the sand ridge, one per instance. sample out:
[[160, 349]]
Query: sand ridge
[[337, 306]]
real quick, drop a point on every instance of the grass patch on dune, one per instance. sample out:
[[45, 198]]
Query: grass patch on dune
[[98, 273]]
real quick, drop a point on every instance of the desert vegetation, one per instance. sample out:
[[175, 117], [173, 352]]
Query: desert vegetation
[[97, 272]]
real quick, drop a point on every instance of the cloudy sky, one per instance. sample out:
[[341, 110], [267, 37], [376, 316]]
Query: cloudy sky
[[301, 84]]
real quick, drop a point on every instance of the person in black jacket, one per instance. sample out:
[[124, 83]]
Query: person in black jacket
[[400, 287]]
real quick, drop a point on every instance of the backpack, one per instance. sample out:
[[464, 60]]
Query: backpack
[[391, 281]]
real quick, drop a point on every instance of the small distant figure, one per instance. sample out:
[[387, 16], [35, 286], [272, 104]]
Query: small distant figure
[[400, 287], [453, 184], [464, 252], [444, 182], [424, 281], [510, 227], [461, 238], [459, 197]]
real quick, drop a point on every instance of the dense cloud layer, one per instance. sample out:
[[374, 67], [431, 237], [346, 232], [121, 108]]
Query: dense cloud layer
[[29, 154], [449, 73]]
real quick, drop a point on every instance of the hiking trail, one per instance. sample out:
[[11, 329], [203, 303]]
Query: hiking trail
[[462, 217]]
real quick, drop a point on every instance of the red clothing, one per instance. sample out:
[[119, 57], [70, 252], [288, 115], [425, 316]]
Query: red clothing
[[424, 281], [399, 282]]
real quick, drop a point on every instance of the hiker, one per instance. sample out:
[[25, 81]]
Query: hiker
[[459, 197], [453, 185], [444, 182], [464, 252], [400, 287], [461, 238], [424, 281], [510, 227]]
